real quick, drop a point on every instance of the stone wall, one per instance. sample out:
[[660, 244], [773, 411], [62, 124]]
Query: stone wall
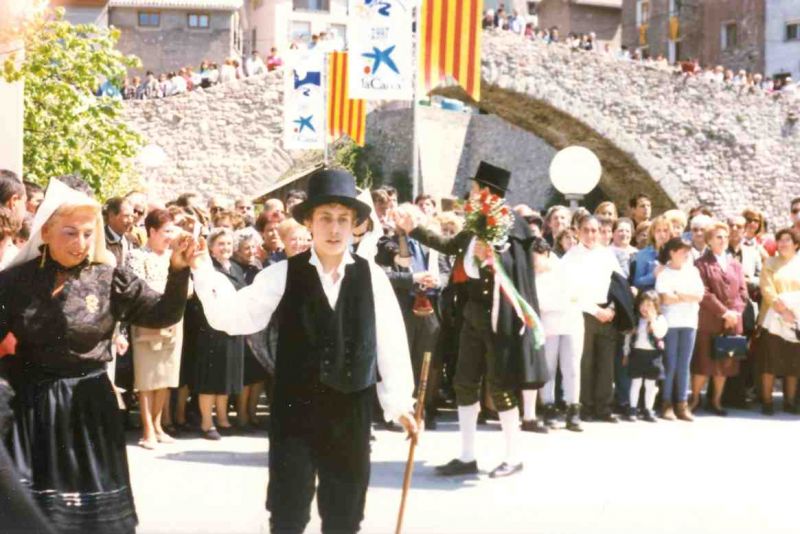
[[223, 140], [692, 139], [699, 142]]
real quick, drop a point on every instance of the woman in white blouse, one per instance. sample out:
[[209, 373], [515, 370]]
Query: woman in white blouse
[[680, 287], [563, 327]]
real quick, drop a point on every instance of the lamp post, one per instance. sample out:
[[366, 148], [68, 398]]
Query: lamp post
[[575, 171]]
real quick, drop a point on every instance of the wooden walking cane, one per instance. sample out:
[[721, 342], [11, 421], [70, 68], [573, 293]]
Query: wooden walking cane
[[423, 386]]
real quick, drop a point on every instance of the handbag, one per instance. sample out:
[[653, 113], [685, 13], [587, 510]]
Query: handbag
[[749, 318], [730, 347]]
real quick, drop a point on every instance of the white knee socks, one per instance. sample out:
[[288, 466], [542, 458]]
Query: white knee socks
[[650, 390], [468, 425], [528, 404], [509, 421]]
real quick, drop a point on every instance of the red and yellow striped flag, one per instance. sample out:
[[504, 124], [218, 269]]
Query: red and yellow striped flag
[[345, 115], [450, 44]]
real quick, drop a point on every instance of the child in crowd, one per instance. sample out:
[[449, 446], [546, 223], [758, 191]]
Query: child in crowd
[[645, 358]]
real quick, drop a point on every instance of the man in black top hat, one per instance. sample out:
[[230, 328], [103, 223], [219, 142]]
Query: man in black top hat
[[502, 354], [337, 320]]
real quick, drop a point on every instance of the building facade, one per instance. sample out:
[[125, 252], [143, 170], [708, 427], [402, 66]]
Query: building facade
[[782, 36], [601, 17], [84, 11], [755, 35], [170, 34], [281, 23]]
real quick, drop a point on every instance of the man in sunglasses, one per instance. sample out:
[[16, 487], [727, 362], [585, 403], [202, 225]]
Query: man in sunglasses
[[138, 202]]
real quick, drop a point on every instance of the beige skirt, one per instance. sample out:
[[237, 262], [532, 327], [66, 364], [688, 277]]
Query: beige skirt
[[157, 357]]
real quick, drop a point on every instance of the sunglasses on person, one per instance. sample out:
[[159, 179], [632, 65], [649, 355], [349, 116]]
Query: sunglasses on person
[[215, 209], [138, 212]]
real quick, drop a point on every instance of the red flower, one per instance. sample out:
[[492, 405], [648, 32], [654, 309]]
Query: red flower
[[484, 195], [485, 209], [491, 221], [468, 208], [504, 211], [495, 199]]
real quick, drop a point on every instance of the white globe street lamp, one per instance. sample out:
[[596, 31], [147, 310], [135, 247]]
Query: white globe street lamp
[[575, 171]]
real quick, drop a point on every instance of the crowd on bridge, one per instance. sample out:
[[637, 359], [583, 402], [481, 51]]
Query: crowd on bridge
[[645, 317], [740, 81]]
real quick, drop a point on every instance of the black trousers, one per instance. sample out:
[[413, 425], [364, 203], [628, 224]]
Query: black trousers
[[476, 360], [319, 443], [597, 365], [423, 335]]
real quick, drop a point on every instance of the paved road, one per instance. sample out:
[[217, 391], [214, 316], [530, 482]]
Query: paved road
[[716, 475]]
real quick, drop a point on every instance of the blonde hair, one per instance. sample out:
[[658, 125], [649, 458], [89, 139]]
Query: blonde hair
[[449, 217], [676, 216], [606, 204], [712, 228], [659, 221], [287, 227]]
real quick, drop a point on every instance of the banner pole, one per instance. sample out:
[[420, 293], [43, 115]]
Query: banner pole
[[325, 92], [415, 171]]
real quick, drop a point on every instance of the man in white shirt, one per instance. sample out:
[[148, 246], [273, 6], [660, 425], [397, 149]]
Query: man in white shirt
[[254, 65], [339, 328], [590, 266]]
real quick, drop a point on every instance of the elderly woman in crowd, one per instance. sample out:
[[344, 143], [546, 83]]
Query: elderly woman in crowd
[[295, 237], [680, 288], [621, 244], [778, 356], [156, 352], [62, 299], [720, 314], [646, 260], [219, 366], [257, 364], [697, 234]]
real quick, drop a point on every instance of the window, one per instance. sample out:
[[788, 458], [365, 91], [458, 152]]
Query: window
[[149, 19], [198, 20], [793, 31], [311, 5], [642, 12], [729, 36], [299, 31]]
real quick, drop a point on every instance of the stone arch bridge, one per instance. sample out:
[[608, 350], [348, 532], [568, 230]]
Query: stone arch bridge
[[685, 141]]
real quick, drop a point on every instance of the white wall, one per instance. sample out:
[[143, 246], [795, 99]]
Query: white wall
[[273, 20], [781, 55]]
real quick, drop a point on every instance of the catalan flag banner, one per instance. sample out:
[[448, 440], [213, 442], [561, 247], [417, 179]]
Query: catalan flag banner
[[380, 41], [450, 44], [303, 101], [346, 116]]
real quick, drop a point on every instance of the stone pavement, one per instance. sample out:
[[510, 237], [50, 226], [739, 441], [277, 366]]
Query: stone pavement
[[718, 475]]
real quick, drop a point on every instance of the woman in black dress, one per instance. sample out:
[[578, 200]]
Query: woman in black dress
[[219, 365], [257, 364], [62, 299]]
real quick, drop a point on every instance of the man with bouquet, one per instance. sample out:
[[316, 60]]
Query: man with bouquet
[[501, 338]]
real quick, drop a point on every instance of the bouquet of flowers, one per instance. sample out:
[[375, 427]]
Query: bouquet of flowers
[[490, 220]]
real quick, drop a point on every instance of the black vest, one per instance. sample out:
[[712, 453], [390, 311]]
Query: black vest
[[318, 345]]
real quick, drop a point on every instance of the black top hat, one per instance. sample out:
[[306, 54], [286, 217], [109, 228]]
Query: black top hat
[[329, 186], [494, 178]]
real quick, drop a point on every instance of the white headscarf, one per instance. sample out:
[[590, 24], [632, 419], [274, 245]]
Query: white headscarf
[[368, 246], [57, 196]]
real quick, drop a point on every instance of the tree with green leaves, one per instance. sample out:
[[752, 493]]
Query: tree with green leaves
[[67, 129]]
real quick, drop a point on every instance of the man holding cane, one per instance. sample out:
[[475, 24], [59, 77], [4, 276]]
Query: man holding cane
[[338, 333]]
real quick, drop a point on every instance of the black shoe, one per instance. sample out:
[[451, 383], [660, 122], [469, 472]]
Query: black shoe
[[211, 434], [649, 416], [586, 415], [456, 468], [505, 470], [768, 409], [534, 426], [430, 422], [607, 418], [227, 431], [630, 415], [550, 419], [721, 412], [573, 420]]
